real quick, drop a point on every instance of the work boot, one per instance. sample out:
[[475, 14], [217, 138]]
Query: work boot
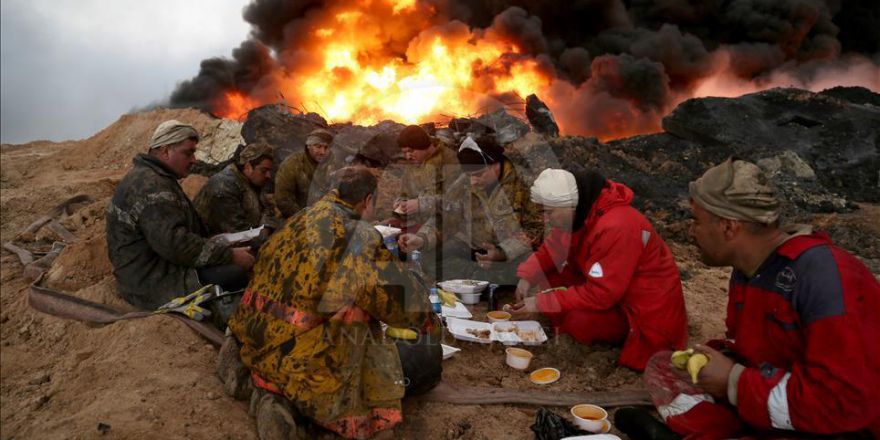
[[234, 375], [639, 424], [273, 416]]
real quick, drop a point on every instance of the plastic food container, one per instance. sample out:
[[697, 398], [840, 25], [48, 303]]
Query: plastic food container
[[498, 316], [544, 376], [469, 298], [463, 286], [590, 418], [518, 358]]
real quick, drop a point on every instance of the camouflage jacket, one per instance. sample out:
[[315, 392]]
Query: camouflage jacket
[[229, 203], [155, 238], [300, 182], [506, 217], [428, 182], [309, 320]]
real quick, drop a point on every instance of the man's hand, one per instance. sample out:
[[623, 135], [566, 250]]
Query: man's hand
[[410, 242], [522, 290], [242, 257], [493, 253], [407, 207], [713, 376], [524, 308]]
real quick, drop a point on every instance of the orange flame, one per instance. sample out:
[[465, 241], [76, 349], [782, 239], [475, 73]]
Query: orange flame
[[372, 61]]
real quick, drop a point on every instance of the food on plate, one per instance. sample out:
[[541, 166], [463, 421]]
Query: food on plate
[[480, 333], [527, 335], [505, 328], [447, 298]]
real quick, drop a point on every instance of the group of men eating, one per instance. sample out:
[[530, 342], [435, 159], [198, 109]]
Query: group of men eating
[[800, 355]]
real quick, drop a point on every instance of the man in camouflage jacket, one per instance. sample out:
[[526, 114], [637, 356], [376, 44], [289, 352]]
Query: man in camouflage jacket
[[488, 224], [431, 169], [230, 200], [155, 238], [304, 177], [309, 322]]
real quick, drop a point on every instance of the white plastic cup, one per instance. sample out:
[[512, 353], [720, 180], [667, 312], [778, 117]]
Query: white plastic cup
[[589, 417], [518, 358]]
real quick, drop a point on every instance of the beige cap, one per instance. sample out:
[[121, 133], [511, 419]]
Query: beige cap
[[172, 132], [737, 190], [555, 188]]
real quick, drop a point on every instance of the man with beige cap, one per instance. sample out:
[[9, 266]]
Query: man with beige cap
[[155, 239], [304, 177], [801, 352]]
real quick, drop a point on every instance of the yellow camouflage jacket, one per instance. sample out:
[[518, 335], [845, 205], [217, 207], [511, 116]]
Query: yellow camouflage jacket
[[309, 320], [506, 217], [300, 182], [427, 182]]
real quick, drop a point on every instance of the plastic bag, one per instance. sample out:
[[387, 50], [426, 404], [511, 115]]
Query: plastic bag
[[550, 426]]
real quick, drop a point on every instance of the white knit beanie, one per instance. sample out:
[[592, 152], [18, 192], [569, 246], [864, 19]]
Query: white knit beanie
[[555, 189]]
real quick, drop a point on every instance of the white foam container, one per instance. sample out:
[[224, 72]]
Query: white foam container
[[463, 286], [458, 328]]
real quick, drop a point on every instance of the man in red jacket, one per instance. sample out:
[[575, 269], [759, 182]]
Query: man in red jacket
[[803, 328], [615, 278]]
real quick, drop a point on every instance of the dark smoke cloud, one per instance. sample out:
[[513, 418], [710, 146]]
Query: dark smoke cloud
[[251, 63], [640, 53]]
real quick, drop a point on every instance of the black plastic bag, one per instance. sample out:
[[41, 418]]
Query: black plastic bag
[[550, 426]]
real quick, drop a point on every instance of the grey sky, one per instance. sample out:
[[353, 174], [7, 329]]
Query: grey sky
[[70, 68]]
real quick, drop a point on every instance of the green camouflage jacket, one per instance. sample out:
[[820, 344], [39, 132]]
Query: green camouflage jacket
[[300, 182], [309, 321], [229, 203], [506, 217], [155, 238], [428, 182]]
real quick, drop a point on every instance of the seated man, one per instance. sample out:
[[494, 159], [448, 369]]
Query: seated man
[[309, 322], [802, 318], [490, 222], [303, 178], [155, 238], [230, 200], [431, 169], [617, 281]]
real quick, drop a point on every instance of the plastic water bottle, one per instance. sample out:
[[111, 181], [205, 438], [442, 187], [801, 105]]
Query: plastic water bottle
[[492, 300], [435, 301], [391, 244]]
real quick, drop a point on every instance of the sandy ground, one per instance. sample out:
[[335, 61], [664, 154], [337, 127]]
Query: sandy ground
[[154, 378]]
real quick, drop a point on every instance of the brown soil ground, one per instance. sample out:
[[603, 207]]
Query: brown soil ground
[[154, 377]]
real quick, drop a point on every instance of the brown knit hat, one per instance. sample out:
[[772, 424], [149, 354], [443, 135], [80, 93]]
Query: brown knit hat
[[415, 137]]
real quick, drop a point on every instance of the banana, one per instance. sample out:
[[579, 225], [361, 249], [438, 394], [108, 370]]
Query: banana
[[680, 358], [696, 363], [401, 333], [447, 298]]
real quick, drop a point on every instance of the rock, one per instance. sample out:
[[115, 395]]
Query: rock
[[540, 117], [837, 138], [219, 144], [103, 428], [282, 130], [506, 127], [789, 163]]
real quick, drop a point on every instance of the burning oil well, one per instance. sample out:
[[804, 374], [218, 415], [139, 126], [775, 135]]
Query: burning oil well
[[606, 68]]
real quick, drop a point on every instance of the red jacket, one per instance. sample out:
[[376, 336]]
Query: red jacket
[[616, 259], [807, 327]]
